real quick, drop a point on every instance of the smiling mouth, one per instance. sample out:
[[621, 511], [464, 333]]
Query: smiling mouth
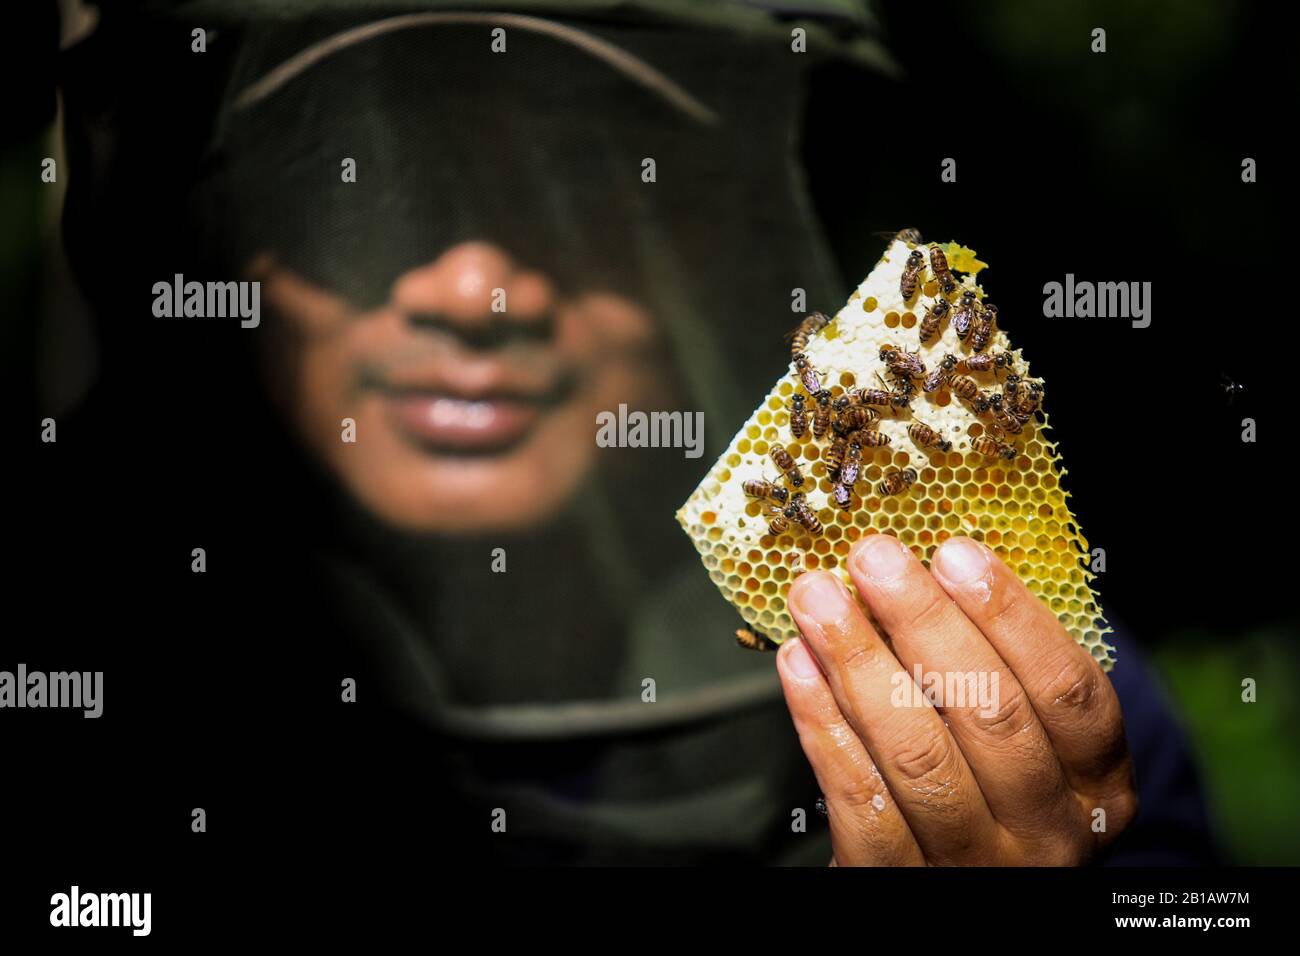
[[444, 423]]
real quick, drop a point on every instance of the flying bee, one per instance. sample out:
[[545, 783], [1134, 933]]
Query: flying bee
[[798, 416], [982, 331], [855, 418], [1231, 389], [841, 496], [762, 488], [813, 323], [804, 514], [752, 640], [912, 236], [786, 463], [896, 482], [992, 448], [807, 374], [964, 387], [934, 316], [927, 437], [964, 317], [852, 465], [822, 414], [939, 377], [939, 266], [911, 275], [903, 365]]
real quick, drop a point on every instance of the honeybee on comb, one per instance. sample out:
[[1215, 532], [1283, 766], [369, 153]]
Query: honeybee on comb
[[942, 274], [762, 488], [964, 317], [813, 323], [822, 414], [807, 374], [938, 378], [798, 415], [911, 276], [992, 448], [926, 437], [896, 482], [785, 461], [934, 316]]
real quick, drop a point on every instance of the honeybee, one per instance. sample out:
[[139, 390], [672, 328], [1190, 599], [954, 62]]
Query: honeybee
[[992, 448], [1026, 399], [926, 437], [886, 398], [987, 362], [752, 640], [833, 454], [780, 520], [852, 465], [911, 275], [903, 365], [822, 414], [807, 374], [871, 439], [964, 317], [854, 418], [762, 488], [798, 416], [896, 482], [912, 236], [813, 323], [982, 331], [939, 377], [804, 514], [1009, 421], [963, 386], [987, 401], [934, 316], [939, 266], [786, 463]]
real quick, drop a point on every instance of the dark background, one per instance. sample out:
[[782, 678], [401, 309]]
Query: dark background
[[1117, 167]]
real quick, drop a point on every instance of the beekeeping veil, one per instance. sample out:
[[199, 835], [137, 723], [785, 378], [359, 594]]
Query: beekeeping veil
[[530, 128]]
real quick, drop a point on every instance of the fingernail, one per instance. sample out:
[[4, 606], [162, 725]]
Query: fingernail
[[799, 662], [962, 561], [881, 557], [821, 597]]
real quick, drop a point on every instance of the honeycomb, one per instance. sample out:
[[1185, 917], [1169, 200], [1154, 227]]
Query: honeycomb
[[1018, 508]]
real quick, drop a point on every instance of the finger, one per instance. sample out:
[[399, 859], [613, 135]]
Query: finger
[[919, 760], [867, 827], [987, 710], [1070, 693]]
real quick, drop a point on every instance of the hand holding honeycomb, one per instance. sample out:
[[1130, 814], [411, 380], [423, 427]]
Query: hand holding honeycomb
[[973, 478]]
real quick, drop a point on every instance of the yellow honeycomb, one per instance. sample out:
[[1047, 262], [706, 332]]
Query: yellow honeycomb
[[1018, 508]]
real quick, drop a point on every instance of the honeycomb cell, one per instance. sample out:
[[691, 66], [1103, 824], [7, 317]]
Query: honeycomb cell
[[1018, 508]]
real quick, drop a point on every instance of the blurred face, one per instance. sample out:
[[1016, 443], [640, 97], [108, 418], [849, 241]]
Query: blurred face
[[474, 388]]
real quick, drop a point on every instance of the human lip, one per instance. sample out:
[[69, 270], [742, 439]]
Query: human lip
[[452, 424]]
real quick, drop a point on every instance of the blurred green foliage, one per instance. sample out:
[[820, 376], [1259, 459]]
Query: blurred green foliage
[[1249, 754]]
